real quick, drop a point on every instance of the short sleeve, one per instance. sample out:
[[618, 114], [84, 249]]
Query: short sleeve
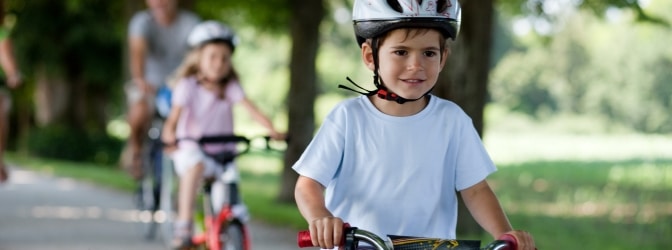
[[139, 24], [473, 162], [182, 92], [234, 92]]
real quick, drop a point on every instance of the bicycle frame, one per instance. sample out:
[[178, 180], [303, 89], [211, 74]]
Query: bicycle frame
[[213, 225], [352, 237]]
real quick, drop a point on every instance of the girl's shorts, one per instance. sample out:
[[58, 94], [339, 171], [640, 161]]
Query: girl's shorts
[[187, 158]]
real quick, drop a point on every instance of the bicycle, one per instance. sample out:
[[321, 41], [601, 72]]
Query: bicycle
[[147, 194], [223, 229], [353, 236]]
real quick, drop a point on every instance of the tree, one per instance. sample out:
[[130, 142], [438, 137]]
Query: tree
[[68, 53], [304, 26]]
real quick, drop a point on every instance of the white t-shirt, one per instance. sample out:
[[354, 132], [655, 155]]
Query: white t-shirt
[[166, 46], [396, 175]]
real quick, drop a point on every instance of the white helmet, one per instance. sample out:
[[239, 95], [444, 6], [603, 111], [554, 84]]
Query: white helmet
[[373, 18], [209, 31]]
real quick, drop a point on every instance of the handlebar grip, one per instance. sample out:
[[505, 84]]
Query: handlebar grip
[[303, 239], [510, 240]]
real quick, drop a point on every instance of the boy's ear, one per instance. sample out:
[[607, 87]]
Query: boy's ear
[[367, 56]]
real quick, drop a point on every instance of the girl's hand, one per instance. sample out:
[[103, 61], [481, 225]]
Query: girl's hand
[[169, 141], [275, 135], [326, 232]]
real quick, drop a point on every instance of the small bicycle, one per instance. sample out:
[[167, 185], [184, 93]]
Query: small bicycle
[[223, 229], [353, 236]]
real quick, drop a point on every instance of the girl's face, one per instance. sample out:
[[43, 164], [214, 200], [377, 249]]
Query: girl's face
[[215, 61], [409, 62]]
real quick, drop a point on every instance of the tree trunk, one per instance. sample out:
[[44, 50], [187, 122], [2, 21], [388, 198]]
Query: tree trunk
[[51, 97], [304, 27], [464, 79]]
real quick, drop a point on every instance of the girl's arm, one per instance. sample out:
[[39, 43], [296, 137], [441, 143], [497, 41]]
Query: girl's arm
[[262, 119], [486, 210], [326, 230], [170, 125]]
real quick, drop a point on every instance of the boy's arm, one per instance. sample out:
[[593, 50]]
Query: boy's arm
[[326, 230], [486, 210]]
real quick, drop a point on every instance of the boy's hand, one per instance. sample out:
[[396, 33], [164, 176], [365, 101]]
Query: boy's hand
[[326, 232], [524, 239]]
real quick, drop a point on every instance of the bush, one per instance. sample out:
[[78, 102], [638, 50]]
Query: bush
[[63, 143]]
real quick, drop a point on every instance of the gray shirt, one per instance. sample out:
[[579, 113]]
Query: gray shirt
[[166, 46]]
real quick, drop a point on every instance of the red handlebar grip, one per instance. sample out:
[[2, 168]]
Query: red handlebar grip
[[303, 239], [513, 243]]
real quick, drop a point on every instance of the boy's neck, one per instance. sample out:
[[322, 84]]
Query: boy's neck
[[396, 109]]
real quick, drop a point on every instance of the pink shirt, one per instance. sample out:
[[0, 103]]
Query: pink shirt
[[202, 112]]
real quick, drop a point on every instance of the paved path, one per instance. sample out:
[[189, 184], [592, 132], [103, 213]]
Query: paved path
[[39, 212]]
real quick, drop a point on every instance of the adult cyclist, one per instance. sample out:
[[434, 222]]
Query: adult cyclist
[[157, 41]]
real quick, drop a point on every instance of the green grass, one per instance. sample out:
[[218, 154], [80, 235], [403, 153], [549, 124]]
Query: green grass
[[569, 202]]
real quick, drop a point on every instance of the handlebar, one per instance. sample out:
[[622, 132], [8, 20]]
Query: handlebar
[[243, 145], [352, 237]]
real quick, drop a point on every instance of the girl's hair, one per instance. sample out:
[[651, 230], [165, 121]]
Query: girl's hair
[[189, 67]]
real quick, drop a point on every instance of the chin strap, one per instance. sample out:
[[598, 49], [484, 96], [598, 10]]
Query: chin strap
[[381, 91]]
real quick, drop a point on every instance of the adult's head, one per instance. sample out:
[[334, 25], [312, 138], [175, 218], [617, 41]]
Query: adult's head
[[163, 10]]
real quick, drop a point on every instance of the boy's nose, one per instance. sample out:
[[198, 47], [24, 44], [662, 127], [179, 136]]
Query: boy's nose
[[414, 62]]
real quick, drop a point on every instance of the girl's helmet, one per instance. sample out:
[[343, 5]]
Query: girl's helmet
[[373, 18], [210, 31]]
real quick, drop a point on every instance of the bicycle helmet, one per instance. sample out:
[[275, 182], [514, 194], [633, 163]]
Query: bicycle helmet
[[373, 18], [210, 31]]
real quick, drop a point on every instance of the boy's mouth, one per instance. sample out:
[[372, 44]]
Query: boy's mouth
[[413, 81]]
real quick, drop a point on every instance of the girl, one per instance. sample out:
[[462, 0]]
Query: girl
[[205, 90]]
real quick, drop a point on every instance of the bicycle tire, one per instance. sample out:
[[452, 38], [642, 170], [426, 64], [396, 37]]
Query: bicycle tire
[[232, 236]]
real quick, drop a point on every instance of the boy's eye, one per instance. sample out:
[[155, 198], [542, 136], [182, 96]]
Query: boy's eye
[[400, 52], [430, 53]]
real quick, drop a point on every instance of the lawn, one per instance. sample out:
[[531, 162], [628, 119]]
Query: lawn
[[570, 191]]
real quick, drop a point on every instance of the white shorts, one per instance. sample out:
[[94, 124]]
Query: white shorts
[[187, 158]]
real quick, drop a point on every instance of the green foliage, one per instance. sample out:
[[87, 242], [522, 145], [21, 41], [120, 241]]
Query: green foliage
[[594, 68], [81, 39], [267, 15], [59, 142]]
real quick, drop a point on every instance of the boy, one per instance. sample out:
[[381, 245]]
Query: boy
[[392, 160]]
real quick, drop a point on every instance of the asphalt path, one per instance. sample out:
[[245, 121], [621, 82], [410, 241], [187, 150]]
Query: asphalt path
[[39, 211]]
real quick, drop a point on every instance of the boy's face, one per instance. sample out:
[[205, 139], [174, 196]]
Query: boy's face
[[409, 61]]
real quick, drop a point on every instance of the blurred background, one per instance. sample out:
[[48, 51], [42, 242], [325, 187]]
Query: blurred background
[[573, 100]]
